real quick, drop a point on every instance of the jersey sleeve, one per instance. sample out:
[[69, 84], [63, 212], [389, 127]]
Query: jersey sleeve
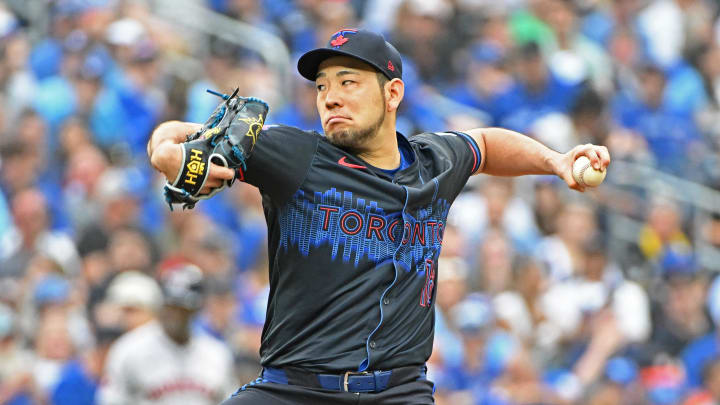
[[280, 160], [462, 151], [466, 150]]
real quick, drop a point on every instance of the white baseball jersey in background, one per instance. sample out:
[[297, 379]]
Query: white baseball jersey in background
[[145, 367]]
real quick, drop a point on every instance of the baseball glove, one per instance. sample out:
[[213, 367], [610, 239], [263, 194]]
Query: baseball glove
[[227, 139]]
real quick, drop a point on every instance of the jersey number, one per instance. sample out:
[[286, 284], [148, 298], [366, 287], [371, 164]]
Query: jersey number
[[426, 293]]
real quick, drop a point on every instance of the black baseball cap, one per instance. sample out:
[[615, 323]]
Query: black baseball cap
[[365, 45]]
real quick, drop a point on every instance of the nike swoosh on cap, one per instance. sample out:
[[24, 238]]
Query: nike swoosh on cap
[[342, 162]]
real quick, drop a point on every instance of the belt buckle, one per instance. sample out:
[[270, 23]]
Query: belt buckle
[[348, 374]]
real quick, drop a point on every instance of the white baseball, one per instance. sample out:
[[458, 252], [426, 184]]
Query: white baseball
[[585, 174]]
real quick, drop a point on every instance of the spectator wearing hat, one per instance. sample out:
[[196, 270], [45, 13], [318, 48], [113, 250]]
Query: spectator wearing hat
[[137, 295], [55, 296], [679, 315], [474, 319], [51, 291]]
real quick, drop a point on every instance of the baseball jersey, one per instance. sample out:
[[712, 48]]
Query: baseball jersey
[[353, 250], [145, 367]]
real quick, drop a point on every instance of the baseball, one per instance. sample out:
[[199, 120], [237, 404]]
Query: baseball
[[585, 174]]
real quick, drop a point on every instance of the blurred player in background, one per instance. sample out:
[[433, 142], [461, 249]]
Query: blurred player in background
[[163, 361]]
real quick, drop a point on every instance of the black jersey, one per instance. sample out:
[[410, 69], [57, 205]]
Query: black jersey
[[353, 252]]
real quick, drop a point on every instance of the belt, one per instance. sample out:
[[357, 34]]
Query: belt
[[350, 381]]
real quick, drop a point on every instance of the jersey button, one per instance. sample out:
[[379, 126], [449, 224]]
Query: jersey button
[[386, 301], [372, 344]]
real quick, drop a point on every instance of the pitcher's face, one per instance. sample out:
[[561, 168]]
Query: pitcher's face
[[350, 101]]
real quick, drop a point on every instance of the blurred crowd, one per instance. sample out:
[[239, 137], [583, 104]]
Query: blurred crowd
[[536, 303]]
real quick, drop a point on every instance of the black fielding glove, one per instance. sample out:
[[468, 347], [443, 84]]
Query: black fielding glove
[[226, 139]]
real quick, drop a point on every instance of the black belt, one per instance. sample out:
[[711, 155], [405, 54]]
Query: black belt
[[350, 381]]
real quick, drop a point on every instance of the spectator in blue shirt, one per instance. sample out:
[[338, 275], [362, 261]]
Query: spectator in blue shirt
[[670, 134], [537, 91], [487, 83], [129, 107], [80, 378]]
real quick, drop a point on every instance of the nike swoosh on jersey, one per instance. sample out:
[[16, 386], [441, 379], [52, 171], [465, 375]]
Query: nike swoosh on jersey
[[342, 162]]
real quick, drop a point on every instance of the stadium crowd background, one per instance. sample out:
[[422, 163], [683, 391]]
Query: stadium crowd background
[[541, 299]]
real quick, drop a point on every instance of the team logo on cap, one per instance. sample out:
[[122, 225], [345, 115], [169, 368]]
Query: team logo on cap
[[391, 66], [338, 41], [339, 38]]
